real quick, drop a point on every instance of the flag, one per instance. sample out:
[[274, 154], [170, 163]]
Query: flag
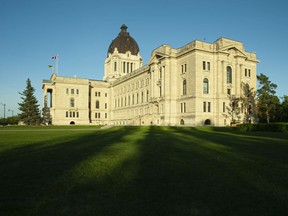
[[50, 66], [54, 57]]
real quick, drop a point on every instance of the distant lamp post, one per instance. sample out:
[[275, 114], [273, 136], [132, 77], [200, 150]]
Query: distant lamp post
[[4, 105], [12, 111]]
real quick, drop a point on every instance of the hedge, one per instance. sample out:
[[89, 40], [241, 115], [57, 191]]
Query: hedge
[[274, 127]]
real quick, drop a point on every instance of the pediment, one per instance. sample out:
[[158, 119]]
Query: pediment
[[233, 50]]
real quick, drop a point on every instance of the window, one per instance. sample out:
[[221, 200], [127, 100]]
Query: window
[[224, 107], [204, 106], [147, 95], [105, 115], [105, 105], [72, 91], [247, 72], [184, 68], [115, 66], [77, 91], [183, 107], [209, 106], [66, 114], [72, 102], [229, 74], [105, 94], [97, 104], [229, 91], [205, 86], [67, 91], [184, 87], [77, 114], [206, 65]]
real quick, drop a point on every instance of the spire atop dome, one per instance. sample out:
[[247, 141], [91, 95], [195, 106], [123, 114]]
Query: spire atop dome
[[123, 28]]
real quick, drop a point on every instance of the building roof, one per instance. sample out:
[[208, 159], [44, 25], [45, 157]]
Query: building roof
[[124, 42]]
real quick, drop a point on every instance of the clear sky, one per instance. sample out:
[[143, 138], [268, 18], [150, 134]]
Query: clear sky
[[32, 31]]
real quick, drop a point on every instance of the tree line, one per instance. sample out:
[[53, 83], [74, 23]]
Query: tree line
[[260, 106]]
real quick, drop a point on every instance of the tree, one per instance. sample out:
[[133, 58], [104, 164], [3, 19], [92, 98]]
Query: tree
[[267, 101], [248, 103], [29, 107], [46, 112], [233, 109], [284, 109]]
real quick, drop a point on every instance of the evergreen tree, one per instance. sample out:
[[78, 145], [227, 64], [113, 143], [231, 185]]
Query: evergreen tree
[[46, 112], [233, 109], [249, 104], [29, 107], [267, 101]]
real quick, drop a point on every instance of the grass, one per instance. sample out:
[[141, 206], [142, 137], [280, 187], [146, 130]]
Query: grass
[[143, 171]]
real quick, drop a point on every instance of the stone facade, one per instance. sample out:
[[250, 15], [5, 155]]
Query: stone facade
[[190, 85]]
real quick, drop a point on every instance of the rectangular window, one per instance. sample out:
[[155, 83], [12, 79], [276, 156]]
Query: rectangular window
[[67, 114], [105, 94], [77, 114], [105, 105], [72, 91], [115, 66], [204, 106], [70, 114], [105, 115], [208, 66], [98, 115], [181, 109], [209, 106], [249, 73], [184, 107], [77, 91], [245, 72], [224, 107], [97, 105], [229, 91], [67, 91], [204, 65]]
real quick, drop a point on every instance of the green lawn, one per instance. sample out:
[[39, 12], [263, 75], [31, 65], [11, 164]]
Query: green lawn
[[143, 171]]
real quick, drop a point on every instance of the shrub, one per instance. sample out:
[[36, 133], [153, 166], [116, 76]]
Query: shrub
[[275, 127]]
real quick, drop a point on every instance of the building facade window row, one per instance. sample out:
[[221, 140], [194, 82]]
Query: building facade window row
[[136, 98], [72, 91], [133, 86], [98, 115], [72, 114]]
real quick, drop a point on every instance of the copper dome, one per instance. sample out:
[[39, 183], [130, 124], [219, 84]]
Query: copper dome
[[124, 42]]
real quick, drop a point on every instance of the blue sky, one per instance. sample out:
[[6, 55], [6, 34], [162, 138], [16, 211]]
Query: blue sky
[[32, 31]]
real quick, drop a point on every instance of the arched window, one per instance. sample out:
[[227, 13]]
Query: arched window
[[72, 102], [184, 87], [229, 74], [207, 122], [205, 86]]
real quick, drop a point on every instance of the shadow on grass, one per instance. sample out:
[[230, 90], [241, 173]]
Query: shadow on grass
[[147, 171]]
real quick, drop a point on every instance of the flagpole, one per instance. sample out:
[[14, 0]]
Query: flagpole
[[57, 63]]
